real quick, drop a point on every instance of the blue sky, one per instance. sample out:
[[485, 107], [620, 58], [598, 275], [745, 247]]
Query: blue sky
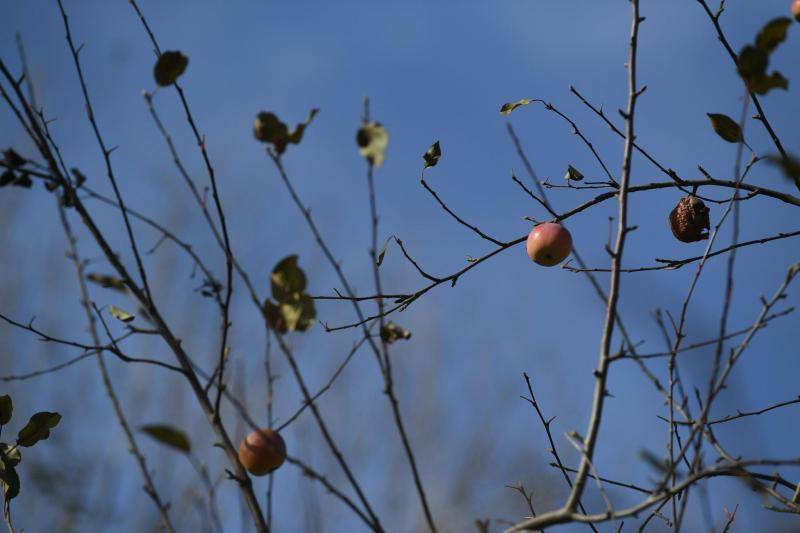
[[433, 71]]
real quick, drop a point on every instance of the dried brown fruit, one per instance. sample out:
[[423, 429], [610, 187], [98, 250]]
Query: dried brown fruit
[[689, 220]]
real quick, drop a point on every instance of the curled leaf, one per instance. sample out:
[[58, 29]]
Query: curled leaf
[[726, 127], [38, 428], [382, 253], [372, 139], [268, 128], [169, 67], [507, 108], [573, 174], [169, 436], [432, 155], [297, 135], [119, 314]]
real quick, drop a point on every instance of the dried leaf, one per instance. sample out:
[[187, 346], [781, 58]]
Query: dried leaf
[[169, 67]]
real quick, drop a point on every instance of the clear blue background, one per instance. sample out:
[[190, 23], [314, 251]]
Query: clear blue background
[[433, 70]]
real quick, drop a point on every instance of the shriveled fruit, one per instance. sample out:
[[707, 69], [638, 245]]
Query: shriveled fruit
[[689, 220]]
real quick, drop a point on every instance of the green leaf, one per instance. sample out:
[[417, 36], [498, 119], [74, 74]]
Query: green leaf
[[120, 314], [6, 409], [764, 84], [726, 127], [753, 62], [772, 34], [169, 67], [106, 281], [299, 314], [168, 436], [287, 279], [382, 253], [432, 155], [372, 139], [8, 478], [391, 332], [507, 108], [38, 428], [573, 174]]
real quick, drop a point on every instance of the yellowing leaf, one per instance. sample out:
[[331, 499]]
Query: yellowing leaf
[[372, 139], [120, 314], [106, 281], [168, 435], [507, 108], [726, 127]]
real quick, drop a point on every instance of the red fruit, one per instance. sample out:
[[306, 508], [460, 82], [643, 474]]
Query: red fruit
[[796, 10], [262, 451], [549, 244]]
